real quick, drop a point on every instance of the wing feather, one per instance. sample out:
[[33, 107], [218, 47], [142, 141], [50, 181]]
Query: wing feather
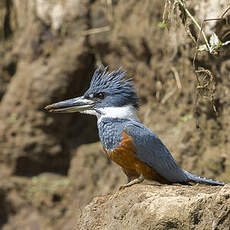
[[151, 151]]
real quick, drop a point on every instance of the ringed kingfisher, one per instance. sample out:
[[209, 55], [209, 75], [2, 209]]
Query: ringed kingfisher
[[140, 153]]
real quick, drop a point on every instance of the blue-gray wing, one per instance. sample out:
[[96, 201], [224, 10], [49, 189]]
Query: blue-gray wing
[[151, 151]]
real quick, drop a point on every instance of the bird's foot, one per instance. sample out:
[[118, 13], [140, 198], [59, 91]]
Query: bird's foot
[[132, 182]]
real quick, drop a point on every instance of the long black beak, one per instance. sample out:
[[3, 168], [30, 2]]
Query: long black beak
[[73, 105]]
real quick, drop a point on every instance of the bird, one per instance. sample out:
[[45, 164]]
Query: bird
[[113, 99]]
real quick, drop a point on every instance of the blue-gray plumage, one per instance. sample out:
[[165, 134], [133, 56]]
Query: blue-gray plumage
[[116, 90], [139, 151]]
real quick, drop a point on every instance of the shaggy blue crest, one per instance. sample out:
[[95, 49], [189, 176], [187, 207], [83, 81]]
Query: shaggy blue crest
[[118, 91]]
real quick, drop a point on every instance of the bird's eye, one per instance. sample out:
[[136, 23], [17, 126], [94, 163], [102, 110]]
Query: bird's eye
[[99, 95]]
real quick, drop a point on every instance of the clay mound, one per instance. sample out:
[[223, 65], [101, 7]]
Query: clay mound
[[159, 207]]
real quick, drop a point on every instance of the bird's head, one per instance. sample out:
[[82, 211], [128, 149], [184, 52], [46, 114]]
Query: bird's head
[[109, 94]]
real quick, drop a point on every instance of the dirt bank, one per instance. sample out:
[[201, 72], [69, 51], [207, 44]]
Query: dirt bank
[[50, 165]]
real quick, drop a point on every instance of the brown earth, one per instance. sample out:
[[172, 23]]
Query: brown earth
[[47, 177], [159, 207]]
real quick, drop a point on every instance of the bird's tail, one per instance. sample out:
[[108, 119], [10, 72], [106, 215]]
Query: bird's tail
[[198, 179]]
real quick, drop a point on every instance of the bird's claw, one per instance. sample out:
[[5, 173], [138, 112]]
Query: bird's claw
[[132, 182]]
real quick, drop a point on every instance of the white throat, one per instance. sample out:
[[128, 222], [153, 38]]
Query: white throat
[[125, 112]]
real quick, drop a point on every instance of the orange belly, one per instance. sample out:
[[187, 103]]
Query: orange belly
[[124, 155]]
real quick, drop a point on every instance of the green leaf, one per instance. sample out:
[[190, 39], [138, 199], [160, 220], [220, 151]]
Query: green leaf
[[162, 25]]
